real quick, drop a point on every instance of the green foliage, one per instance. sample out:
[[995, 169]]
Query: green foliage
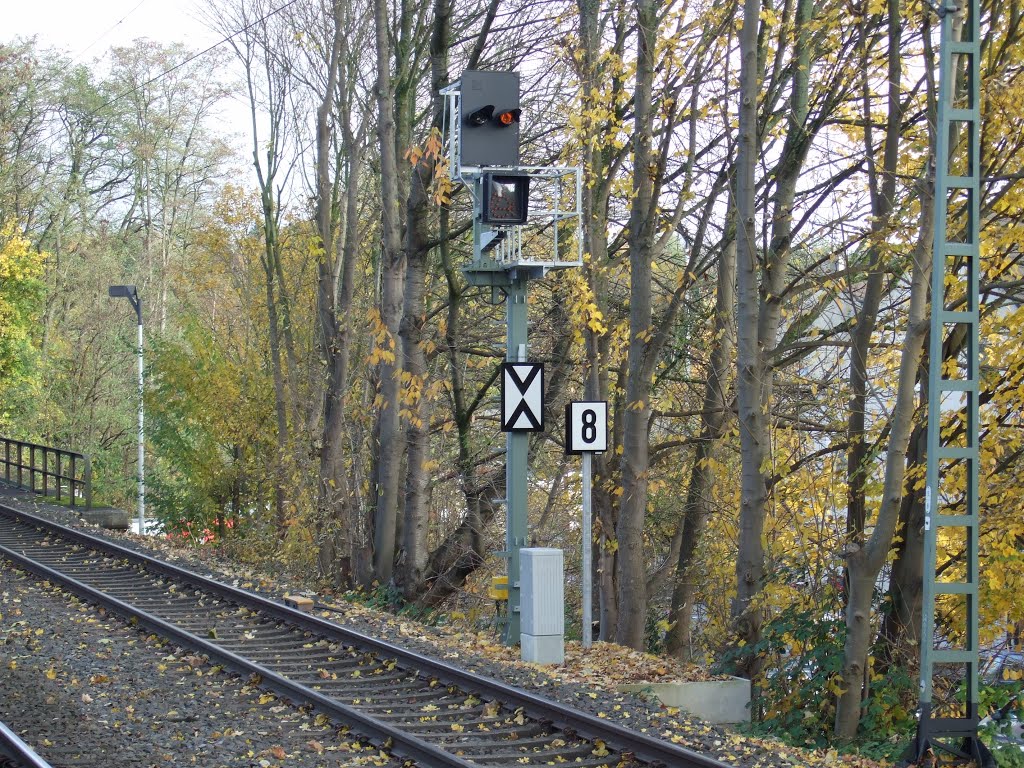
[[803, 654], [21, 293], [654, 633], [381, 596], [891, 705], [113, 484], [388, 597], [1005, 706], [200, 414], [1007, 755], [797, 700], [256, 541]]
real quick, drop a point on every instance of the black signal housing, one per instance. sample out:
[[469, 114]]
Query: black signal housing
[[489, 113], [506, 199]]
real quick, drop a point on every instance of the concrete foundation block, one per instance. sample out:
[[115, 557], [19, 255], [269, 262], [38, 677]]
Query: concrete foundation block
[[107, 517], [543, 649], [716, 701]]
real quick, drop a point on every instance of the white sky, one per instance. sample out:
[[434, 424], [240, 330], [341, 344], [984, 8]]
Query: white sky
[[85, 30]]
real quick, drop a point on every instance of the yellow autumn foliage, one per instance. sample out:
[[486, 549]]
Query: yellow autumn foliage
[[21, 272]]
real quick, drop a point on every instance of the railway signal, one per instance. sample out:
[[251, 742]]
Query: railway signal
[[522, 397], [483, 116]]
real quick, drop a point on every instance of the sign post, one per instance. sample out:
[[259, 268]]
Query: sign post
[[587, 566], [522, 412], [586, 433]]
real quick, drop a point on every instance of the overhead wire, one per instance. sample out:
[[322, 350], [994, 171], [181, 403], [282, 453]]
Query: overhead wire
[[117, 97], [195, 56], [114, 26]]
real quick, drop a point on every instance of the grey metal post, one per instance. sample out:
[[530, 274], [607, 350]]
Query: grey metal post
[[142, 433], [588, 620], [131, 293], [87, 479], [517, 446]]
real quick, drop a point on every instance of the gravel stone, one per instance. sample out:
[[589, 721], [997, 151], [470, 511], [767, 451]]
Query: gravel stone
[[85, 689], [637, 711]]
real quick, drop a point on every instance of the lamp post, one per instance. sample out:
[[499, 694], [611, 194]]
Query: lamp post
[[129, 292]]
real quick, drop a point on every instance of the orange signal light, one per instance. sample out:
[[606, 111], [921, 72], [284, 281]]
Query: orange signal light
[[508, 117]]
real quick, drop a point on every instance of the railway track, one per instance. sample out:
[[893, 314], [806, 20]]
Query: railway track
[[420, 709], [15, 753]]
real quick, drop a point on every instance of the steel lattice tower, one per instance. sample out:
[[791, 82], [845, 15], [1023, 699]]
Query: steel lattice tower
[[950, 731]]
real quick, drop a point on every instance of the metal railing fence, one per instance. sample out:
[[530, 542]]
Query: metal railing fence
[[47, 470]]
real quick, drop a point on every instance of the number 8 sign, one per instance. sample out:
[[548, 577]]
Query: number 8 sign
[[586, 426]]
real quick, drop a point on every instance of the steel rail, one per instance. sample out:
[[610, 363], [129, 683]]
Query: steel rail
[[628, 742], [379, 732], [16, 753]]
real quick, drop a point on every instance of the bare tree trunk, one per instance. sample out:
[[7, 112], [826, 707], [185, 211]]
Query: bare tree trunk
[[753, 421], [280, 402], [389, 445], [417, 249], [632, 596], [882, 200], [901, 624], [864, 561], [702, 476], [413, 558], [595, 243], [332, 489], [350, 155], [756, 347], [284, 403]]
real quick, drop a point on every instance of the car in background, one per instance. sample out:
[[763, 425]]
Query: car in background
[[1002, 666], [1005, 727], [1006, 723]]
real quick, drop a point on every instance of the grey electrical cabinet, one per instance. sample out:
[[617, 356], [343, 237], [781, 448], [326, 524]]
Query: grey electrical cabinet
[[542, 605]]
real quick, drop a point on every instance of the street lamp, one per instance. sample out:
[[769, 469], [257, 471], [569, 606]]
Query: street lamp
[[129, 292]]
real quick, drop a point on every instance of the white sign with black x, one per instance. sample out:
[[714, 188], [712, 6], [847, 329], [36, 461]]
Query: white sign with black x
[[522, 397]]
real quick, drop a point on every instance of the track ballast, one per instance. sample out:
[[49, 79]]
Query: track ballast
[[419, 708]]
